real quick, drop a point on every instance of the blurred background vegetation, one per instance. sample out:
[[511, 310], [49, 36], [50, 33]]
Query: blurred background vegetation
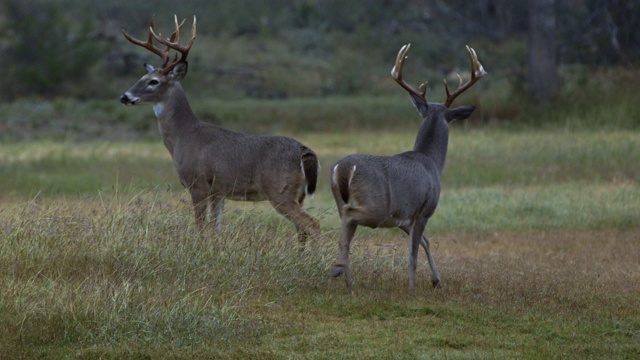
[[274, 66]]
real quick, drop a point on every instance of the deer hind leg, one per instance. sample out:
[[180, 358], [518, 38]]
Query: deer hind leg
[[341, 265], [305, 224], [414, 237]]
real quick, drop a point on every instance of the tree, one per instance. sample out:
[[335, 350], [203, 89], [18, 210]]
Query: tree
[[543, 69], [49, 47]]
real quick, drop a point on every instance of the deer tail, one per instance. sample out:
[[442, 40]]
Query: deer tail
[[341, 180], [310, 167]]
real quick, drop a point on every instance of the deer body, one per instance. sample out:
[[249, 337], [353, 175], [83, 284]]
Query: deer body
[[385, 191], [400, 190], [232, 165], [214, 163]]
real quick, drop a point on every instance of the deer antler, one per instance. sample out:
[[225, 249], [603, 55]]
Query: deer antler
[[396, 73], [172, 43], [164, 54], [175, 45], [477, 71]]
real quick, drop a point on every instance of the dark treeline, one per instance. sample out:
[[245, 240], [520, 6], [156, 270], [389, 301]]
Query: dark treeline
[[279, 48]]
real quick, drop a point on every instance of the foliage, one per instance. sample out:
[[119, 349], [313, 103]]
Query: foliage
[[50, 51], [280, 49], [604, 100], [599, 32]]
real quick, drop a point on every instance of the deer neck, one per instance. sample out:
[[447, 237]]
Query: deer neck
[[175, 117], [432, 140]]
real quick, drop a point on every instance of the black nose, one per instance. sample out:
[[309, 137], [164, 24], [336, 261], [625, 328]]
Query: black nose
[[124, 99]]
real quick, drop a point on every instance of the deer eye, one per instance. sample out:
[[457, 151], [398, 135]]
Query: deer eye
[[154, 82]]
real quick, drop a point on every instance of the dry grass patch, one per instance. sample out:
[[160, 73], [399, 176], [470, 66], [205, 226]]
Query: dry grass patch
[[559, 272], [568, 294], [555, 272], [127, 276]]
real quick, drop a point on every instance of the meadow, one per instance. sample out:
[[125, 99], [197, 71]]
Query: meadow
[[537, 239], [536, 236]]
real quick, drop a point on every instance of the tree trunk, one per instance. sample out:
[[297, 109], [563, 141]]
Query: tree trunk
[[543, 72]]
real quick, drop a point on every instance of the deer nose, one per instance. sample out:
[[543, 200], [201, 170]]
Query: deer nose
[[128, 100]]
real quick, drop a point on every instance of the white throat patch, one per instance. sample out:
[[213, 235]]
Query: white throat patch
[[158, 109]]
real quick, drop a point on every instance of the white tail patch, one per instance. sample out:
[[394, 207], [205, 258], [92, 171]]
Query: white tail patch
[[352, 199], [353, 171], [334, 178], [336, 183], [334, 174]]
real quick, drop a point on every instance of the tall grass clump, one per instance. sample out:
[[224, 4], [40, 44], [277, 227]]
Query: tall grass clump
[[133, 273]]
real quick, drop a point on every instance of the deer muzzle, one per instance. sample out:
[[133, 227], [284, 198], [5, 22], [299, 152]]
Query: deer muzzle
[[128, 99]]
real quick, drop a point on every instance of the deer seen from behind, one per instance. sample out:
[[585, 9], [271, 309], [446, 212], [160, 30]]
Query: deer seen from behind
[[214, 163], [400, 190]]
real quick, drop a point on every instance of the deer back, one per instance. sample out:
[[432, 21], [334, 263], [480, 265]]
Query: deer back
[[241, 166]]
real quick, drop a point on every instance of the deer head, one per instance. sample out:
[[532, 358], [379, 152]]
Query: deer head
[[433, 135], [152, 87], [418, 96]]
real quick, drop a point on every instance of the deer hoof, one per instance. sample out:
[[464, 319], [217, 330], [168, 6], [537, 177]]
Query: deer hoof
[[337, 270], [436, 283]]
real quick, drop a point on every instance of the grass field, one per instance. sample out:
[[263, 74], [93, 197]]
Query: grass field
[[537, 239]]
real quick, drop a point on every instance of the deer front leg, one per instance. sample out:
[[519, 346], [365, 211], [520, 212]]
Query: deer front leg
[[341, 265], [217, 207], [415, 236], [424, 241], [435, 276], [199, 200]]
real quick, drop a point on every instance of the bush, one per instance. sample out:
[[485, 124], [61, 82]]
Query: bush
[[51, 48]]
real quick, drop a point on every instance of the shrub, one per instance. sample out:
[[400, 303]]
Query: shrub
[[51, 48]]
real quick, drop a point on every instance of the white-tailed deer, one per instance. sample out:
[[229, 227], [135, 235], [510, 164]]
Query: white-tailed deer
[[400, 190], [214, 163]]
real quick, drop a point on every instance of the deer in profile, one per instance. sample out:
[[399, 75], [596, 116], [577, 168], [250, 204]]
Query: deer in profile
[[400, 190], [214, 163]]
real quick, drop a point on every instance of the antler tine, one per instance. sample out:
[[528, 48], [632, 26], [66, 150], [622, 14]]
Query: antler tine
[[164, 54], [172, 38], [174, 43], [477, 72], [396, 73]]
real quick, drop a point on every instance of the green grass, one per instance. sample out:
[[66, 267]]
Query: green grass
[[536, 239], [64, 168]]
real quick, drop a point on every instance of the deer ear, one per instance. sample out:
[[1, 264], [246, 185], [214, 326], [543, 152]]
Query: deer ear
[[149, 68], [179, 71], [420, 104], [459, 113]]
